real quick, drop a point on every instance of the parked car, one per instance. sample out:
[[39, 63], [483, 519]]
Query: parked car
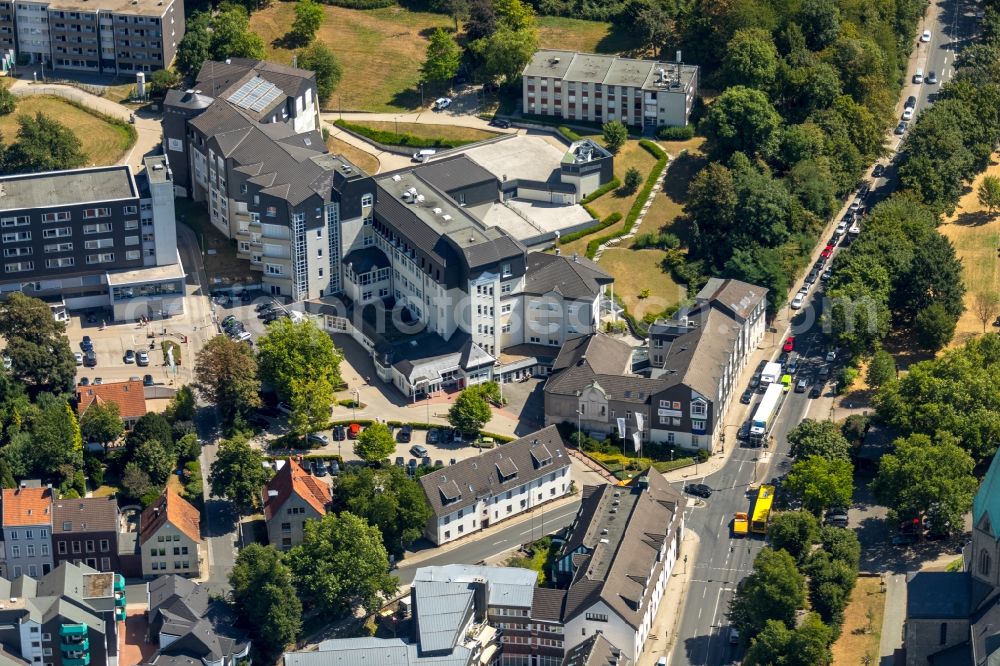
[[353, 430], [878, 171], [824, 373], [147, 380], [432, 436], [908, 113], [789, 344], [142, 359], [400, 461], [98, 381], [831, 356], [931, 77], [339, 434], [812, 277], [827, 251], [793, 364], [501, 123], [747, 396], [744, 432], [801, 385], [755, 380], [426, 461], [411, 467], [418, 450], [264, 307], [318, 468], [404, 434], [442, 103], [827, 274], [227, 320], [797, 301], [698, 489], [90, 358], [900, 128], [842, 227], [79, 357], [317, 438], [334, 468], [84, 381], [816, 391], [926, 36], [86, 344]]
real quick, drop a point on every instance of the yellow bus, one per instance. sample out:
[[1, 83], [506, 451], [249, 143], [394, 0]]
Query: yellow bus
[[762, 509]]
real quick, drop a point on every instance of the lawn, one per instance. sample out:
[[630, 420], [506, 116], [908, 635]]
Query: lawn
[[862, 624], [635, 270], [366, 161], [103, 142], [425, 131], [392, 41], [624, 467], [976, 237]]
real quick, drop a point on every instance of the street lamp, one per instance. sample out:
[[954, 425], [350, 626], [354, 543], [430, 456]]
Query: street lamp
[[357, 400], [579, 414]]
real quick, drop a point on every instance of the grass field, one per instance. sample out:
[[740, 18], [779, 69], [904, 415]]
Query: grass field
[[635, 270], [856, 641], [425, 131], [360, 158], [392, 41], [102, 142], [976, 237]]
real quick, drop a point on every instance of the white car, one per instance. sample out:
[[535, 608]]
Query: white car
[[831, 356], [841, 228], [926, 37], [79, 357], [798, 300], [908, 113], [442, 103]]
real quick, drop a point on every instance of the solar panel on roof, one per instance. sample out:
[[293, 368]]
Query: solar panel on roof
[[255, 95]]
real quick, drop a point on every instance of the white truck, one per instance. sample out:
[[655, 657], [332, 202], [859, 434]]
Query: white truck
[[764, 416], [770, 374]]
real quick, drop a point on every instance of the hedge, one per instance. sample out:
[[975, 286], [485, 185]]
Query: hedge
[[603, 224], [640, 200], [676, 133], [612, 184], [399, 139], [569, 134], [360, 4]]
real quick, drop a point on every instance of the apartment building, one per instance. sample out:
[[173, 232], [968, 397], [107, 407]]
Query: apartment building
[[598, 88], [291, 498], [69, 617], [496, 485], [85, 531], [682, 397], [27, 531], [170, 537], [94, 237], [103, 37]]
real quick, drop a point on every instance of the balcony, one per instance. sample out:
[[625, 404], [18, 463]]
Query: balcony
[[73, 630], [120, 614], [77, 661], [75, 649], [119, 583]]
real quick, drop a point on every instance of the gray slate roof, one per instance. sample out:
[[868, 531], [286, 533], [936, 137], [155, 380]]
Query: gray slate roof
[[87, 514], [598, 358], [733, 296], [595, 651], [455, 173], [697, 358], [481, 476], [938, 595], [574, 277], [204, 629]]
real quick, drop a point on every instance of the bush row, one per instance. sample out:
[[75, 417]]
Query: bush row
[[360, 4], [594, 228], [676, 133], [399, 139], [612, 184], [569, 134], [640, 200]]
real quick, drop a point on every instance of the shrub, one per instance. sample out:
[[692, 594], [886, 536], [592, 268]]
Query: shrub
[[612, 184], [661, 241], [676, 133], [568, 134], [633, 179], [399, 139], [603, 224], [360, 4], [845, 379]]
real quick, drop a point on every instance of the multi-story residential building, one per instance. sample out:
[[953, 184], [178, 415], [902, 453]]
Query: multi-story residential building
[[27, 531], [187, 625], [85, 531], [599, 88], [128, 395], [695, 359], [97, 37], [292, 497], [95, 237], [496, 485], [170, 537], [69, 617]]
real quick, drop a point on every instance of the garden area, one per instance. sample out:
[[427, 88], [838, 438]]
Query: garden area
[[103, 142], [360, 158], [416, 135], [610, 454], [393, 40], [862, 630]]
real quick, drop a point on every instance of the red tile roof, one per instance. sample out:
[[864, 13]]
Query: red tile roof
[[27, 506], [291, 478], [129, 396], [170, 507]]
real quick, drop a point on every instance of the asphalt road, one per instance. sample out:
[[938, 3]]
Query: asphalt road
[[483, 546]]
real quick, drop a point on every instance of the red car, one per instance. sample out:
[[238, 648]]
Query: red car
[[827, 251], [789, 344]]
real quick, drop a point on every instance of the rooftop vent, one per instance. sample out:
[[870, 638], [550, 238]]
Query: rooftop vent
[[157, 167], [437, 211], [419, 199], [396, 178], [446, 218]]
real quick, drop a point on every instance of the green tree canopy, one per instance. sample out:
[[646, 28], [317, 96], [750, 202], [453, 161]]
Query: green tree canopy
[[195, 47], [319, 58], [265, 599], [8, 101], [238, 474], [777, 645], [310, 401], [374, 444], [818, 438], [741, 119], [505, 53], [442, 60], [43, 144], [231, 36], [794, 531], [774, 590], [297, 351], [934, 327], [308, 18], [881, 369], [56, 446], [40, 354], [615, 135], [633, 179], [149, 426], [163, 80], [820, 483], [751, 59], [388, 499], [341, 563], [154, 458], [927, 477], [102, 422], [988, 192], [226, 376], [470, 412]]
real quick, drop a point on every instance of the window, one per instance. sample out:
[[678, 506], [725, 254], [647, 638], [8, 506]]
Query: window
[[17, 237], [99, 244], [77, 548], [132, 255], [17, 252], [102, 228], [699, 408], [286, 527], [505, 270], [697, 425], [19, 267], [273, 269], [105, 545], [505, 308], [984, 563], [61, 216], [19, 221], [58, 247], [103, 258], [61, 547], [15, 551], [130, 210], [58, 232], [91, 213], [367, 200], [90, 545], [45, 549], [505, 288]]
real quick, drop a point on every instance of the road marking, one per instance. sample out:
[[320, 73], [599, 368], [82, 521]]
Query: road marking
[[704, 592]]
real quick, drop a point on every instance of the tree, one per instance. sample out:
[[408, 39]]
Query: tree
[[195, 47], [319, 58], [310, 402], [774, 590], [633, 179], [8, 101], [934, 276], [41, 358], [56, 446], [265, 599], [818, 438], [238, 474], [482, 21], [988, 192], [881, 369], [470, 412], [711, 208], [794, 531], [505, 53], [751, 59], [182, 406], [6, 475], [136, 482], [308, 18], [830, 584], [226, 375], [651, 22], [341, 564], [615, 135], [927, 477], [297, 351], [741, 119], [43, 144], [777, 645], [986, 305], [374, 444], [442, 60], [102, 422], [820, 483], [934, 327], [820, 21], [163, 80], [232, 37], [388, 499], [155, 459], [149, 426]]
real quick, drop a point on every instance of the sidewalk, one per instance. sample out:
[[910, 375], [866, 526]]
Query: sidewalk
[[891, 640], [662, 634]]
